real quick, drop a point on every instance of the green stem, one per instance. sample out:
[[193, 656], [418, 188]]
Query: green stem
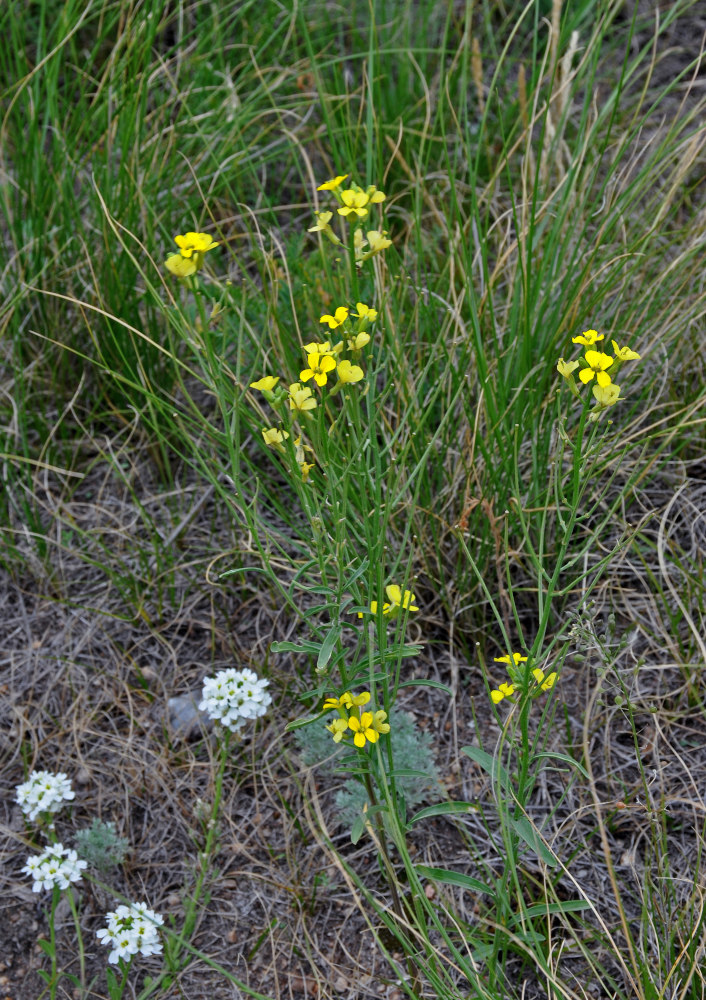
[[79, 938], [412, 969]]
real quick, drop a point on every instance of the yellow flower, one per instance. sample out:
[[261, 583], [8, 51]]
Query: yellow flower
[[588, 338], [338, 727], [182, 267], [545, 681], [339, 317], [349, 373], [624, 353], [300, 398], [379, 724], [363, 729], [364, 313], [517, 658], [332, 184], [503, 691], [606, 395], [274, 437], [597, 364], [194, 243], [565, 368], [319, 365], [322, 222], [266, 383], [343, 702], [377, 241], [358, 342], [348, 700], [354, 202], [324, 348], [397, 602], [374, 195], [306, 468]]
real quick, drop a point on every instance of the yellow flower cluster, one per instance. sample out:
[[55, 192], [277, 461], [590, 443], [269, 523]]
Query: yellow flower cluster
[[189, 260], [598, 365], [366, 727], [353, 204], [322, 361], [535, 682]]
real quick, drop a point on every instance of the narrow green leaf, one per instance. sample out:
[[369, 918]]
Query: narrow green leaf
[[453, 878], [553, 755], [524, 829], [489, 764], [443, 809], [327, 646], [305, 721], [295, 647], [539, 909]]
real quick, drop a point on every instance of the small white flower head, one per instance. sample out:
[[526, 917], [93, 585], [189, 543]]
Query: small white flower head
[[57, 865], [43, 792], [131, 930], [233, 696]]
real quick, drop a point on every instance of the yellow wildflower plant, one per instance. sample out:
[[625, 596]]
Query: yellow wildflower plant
[[354, 203], [588, 338], [182, 267], [597, 363], [332, 184], [349, 373], [301, 398], [274, 437], [624, 353], [502, 691], [319, 367], [266, 383], [339, 317]]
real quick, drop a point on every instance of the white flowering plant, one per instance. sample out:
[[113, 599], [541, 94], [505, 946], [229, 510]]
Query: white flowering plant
[[43, 792], [55, 866], [131, 930], [233, 697]]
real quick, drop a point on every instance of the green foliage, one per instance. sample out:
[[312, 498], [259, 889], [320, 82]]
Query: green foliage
[[100, 845], [411, 750]]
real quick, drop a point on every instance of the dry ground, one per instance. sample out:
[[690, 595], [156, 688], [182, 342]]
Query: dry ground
[[86, 690]]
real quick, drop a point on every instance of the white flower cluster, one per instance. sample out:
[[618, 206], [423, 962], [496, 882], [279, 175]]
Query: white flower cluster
[[131, 930], [233, 696], [57, 865], [43, 792]]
